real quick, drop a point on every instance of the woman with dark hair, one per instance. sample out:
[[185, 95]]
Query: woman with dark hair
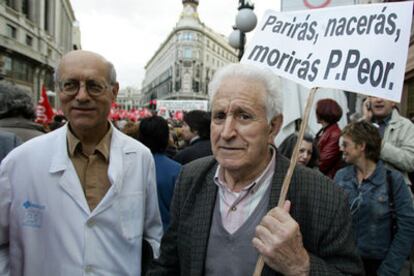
[[328, 113], [154, 133], [380, 202], [308, 153]]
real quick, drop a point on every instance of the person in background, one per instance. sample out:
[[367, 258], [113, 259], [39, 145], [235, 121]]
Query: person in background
[[17, 112], [308, 153], [196, 132], [223, 212], [8, 141], [397, 133], [81, 199], [172, 147], [58, 121], [411, 174], [131, 129], [154, 133], [379, 200], [328, 113]]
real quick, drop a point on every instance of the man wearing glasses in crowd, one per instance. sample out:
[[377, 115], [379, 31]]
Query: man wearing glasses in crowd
[[82, 198]]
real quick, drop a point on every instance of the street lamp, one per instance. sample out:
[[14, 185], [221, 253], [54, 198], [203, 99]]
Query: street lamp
[[246, 21]]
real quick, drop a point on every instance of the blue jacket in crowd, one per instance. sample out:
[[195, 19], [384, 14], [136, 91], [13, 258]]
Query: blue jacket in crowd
[[167, 171], [372, 220]]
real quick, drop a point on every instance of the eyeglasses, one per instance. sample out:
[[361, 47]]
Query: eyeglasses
[[93, 87]]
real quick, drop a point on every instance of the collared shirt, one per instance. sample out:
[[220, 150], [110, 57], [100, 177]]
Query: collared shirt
[[195, 138], [382, 124], [92, 170], [236, 207]]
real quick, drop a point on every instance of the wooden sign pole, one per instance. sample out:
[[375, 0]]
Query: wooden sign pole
[[293, 160]]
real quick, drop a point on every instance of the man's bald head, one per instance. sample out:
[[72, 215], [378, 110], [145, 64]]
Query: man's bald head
[[86, 56]]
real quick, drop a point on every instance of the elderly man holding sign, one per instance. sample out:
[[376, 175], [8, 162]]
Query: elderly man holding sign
[[223, 213]]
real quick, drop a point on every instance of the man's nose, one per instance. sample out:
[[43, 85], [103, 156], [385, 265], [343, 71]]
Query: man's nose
[[229, 130], [82, 92]]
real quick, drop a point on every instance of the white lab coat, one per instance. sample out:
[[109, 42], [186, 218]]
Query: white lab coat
[[46, 220]]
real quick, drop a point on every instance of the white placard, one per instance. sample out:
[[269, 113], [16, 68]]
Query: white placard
[[182, 105], [359, 48]]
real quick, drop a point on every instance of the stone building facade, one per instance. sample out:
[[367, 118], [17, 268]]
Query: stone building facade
[[34, 34], [185, 62]]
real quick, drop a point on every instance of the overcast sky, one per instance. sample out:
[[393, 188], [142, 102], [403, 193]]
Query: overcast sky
[[128, 32]]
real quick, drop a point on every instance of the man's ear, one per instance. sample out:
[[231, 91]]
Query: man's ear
[[115, 90], [363, 146], [275, 126]]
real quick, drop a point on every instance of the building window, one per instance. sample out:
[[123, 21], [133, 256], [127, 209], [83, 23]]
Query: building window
[[46, 16], [22, 70], [177, 70], [11, 3], [29, 40], [7, 65], [187, 36], [18, 69], [198, 71], [196, 86], [26, 8], [178, 85], [188, 53], [11, 31]]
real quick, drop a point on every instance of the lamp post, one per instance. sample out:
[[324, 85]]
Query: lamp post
[[246, 21]]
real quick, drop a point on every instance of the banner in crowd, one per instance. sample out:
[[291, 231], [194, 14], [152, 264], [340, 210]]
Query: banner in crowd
[[358, 48], [44, 112], [182, 105]]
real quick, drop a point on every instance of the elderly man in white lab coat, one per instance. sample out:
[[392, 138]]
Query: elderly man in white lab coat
[[80, 199]]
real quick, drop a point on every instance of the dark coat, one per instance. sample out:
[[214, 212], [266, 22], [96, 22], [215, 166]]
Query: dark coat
[[319, 206], [22, 127], [197, 149]]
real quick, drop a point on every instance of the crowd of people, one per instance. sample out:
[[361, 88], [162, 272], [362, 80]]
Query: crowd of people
[[199, 196]]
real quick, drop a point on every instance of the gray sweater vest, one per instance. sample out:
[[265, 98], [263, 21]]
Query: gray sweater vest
[[233, 254]]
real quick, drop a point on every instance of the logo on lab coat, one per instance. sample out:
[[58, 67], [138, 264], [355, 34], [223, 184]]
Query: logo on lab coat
[[33, 214]]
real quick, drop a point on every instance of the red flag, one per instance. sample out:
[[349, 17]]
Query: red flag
[[44, 112]]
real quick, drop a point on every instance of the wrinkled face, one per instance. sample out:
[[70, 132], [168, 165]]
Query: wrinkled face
[[305, 153], [84, 111], [240, 133], [381, 108], [351, 152], [186, 132]]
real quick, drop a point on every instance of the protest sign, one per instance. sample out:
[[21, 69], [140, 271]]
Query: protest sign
[[358, 48], [292, 5], [182, 105]]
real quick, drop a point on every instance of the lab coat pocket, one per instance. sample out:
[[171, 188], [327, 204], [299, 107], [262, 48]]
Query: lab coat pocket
[[130, 215]]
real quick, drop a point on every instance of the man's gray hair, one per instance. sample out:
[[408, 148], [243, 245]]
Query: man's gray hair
[[15, 102], [111, 73], [272, 83]]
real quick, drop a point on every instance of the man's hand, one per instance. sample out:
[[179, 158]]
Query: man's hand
[[367, 110], [279, 241]]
